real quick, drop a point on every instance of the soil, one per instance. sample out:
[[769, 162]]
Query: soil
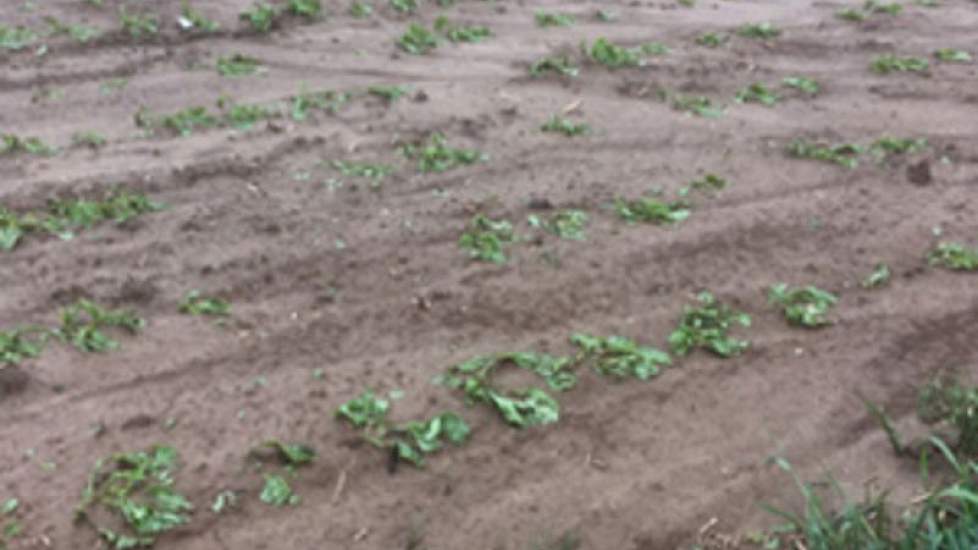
[[370, 286]]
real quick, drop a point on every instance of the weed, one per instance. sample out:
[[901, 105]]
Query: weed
[[805, 306], [761, 31], [238, 65], [11, 143], [945, 399], [262, 17], [879, 277], [757, 93], [952, 55], [545, 19], [566, 224], [82, 325], [361, 9], [649, 210], [520, 408], [708, 326], [698, 105], [565, 126], [803, 84], [138, 25], [844, 154], [138, 487], [484, 239], [712, 39], [16, 38], [94, 140], [277, 492], [389, 94], [196, 304], [561, 65], [191, 19], [418, 40], [18, 344], [954, 256], [947, 518], [606, 16], [461, 33], [405, 6], [437, 156], [620, 357], [886, 64]]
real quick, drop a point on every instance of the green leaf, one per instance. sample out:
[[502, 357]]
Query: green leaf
[[485, 238], [561, 125], [621, 357], [196, 304], [295, 454], [9, 506], [648, 210], [139, 487], [545, 19], [365, 410], [805, 306], [879, 277], [277, 492], [954, 256], [526, 408], [707, 326], [421, 438], [223, 501], [418, 40]]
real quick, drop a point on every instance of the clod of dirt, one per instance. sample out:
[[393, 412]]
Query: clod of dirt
[[138, 292], [919, 174], [138, 422], [537, 203], [13, 380]]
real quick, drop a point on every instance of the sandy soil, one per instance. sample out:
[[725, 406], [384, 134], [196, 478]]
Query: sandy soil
[[371, 287]]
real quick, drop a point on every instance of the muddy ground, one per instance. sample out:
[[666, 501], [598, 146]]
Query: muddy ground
[[370, 286]]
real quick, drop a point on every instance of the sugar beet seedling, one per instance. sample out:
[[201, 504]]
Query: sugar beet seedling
[[410, 441]]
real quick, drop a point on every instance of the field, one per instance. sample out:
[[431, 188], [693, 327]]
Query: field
[[217, 230]]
